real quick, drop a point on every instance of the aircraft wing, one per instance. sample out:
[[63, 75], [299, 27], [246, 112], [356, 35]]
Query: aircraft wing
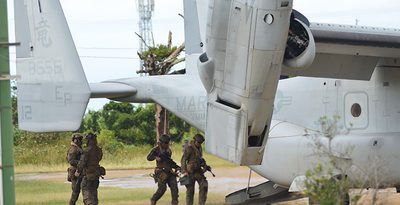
[[349, 52]]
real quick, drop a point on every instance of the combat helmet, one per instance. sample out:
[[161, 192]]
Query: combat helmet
[[199, 138], [77, 136], [91, 136]]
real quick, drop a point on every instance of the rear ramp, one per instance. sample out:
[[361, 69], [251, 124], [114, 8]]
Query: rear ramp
[[262, 194]]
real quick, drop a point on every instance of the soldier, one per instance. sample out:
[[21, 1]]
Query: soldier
[[194, 166], [90, 171], [73, 156], [164, 173]]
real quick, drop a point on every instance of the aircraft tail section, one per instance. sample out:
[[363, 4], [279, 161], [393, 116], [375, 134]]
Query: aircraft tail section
[[52, 90], [240, 70]]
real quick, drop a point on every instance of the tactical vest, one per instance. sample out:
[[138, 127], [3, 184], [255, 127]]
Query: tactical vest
[[194, 158], [163, 164], [93, 156]]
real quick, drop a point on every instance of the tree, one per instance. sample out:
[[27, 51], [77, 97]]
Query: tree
[[329, 183], [91, 121], [158, 60]]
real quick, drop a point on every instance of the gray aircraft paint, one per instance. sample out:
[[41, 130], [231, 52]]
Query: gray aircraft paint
[[58, 87]]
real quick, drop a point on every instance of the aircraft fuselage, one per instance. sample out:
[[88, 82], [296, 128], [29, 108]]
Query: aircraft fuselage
[[367, 149], [370, 141]]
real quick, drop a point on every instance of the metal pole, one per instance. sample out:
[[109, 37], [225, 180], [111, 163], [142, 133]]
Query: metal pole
[[7, 144]]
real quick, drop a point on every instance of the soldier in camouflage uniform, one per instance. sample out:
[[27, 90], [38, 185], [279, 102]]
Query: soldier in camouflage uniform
[[73, 156], [194, 165], [164, 173], [89, 168]]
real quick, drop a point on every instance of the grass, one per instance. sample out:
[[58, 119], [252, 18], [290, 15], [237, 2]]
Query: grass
[[56, 193], [52, 159]]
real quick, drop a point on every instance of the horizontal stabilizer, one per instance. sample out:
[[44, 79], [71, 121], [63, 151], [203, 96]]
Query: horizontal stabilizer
[[111, 90]]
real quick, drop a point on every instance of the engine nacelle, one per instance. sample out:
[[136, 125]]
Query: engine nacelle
[[300, 47]]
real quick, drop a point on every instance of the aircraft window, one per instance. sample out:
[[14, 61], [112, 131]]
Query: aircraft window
[[356, 110], [269, 19]]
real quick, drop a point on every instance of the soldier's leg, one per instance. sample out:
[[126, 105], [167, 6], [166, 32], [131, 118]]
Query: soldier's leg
[[95, 187], [85, 191], [203, 189], [89, 191], [189, 193], [162, 187], [173, 186], [76, 189]]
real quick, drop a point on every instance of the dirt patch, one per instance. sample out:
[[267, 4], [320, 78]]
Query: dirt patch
[[227, 180]]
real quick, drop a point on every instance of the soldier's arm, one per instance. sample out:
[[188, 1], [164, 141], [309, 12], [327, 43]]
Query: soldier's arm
[[72, 157], [82, 162], [185, 158], [100, 154], [153, 154], [174, 164]]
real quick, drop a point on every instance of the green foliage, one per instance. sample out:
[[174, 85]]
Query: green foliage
[[125, 132], [106, 139], [129, 124], [91, 122], [178, 128], [160, 51], [14, 102], [112, 113], [40, 149], [329, 185], [37, 158], [132, 125], [325, 188]]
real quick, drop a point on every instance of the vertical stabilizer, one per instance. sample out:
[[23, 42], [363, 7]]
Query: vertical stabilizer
[[192, 27], [52, 90], [193, 42]]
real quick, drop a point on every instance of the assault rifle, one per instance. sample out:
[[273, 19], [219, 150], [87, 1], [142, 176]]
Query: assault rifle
[[206, 167], [164, 157]]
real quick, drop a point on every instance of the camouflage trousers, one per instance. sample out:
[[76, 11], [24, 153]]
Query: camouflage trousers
[[162, 187], [76, 189], [203, 188], [89, 191]]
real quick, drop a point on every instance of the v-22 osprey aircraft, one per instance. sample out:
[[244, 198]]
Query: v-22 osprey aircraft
[[234, 89]]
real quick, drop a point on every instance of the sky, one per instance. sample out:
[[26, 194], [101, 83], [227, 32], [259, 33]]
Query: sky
[[104, 30]]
